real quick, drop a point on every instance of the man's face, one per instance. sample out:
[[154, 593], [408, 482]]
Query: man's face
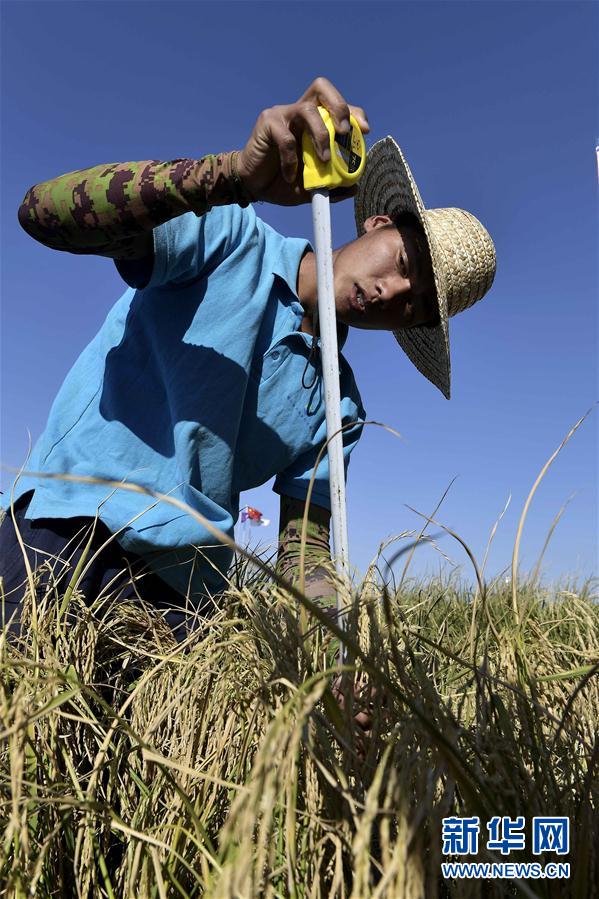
[[383, 279]]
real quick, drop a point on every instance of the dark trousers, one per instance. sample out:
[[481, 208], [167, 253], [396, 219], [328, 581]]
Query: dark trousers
[[62, 541]]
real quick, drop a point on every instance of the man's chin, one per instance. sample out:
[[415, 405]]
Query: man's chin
[[349, 317]]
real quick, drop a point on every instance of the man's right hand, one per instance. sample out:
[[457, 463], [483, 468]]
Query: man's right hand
[[270, 165]]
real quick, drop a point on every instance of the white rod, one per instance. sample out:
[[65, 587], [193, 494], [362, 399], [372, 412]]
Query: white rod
[[321, 218]]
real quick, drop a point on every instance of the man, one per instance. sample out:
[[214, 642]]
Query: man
[[204, 379]]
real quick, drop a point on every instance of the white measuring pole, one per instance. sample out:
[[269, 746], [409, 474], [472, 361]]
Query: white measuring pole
[[321, 218]]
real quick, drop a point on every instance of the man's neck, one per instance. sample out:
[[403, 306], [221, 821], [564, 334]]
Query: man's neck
[[307, 291]]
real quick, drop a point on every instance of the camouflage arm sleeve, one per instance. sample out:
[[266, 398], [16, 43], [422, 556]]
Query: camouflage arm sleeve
[[111, 209], [318, 553]]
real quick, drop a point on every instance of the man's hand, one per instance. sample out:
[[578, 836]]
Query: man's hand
[[270, 165], [363, 698]]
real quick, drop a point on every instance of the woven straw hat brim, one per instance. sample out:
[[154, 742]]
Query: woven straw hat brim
[[387, 187]]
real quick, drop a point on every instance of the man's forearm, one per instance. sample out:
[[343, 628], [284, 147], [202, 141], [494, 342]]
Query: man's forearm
[[317, 554], [108, 207]]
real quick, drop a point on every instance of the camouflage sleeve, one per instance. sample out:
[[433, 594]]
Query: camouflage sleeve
[[318, 553], [111, 209]]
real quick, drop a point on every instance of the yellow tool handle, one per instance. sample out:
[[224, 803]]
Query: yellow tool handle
[[348, 157]]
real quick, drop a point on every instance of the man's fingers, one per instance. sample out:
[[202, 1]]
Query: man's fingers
[[304, 116], [278, 133], [287, 147], [328, 96], [364, 721], [361, 118], [311, 119]]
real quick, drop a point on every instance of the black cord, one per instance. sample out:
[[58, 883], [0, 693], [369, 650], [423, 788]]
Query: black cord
[[314, 356]]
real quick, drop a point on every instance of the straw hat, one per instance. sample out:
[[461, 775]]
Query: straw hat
[[461, 250]]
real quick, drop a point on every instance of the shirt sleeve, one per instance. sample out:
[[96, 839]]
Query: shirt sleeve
[[294, 481], [188, 247], [107, 208]]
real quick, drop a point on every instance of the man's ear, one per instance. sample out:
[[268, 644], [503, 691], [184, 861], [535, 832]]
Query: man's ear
[[377, 221]]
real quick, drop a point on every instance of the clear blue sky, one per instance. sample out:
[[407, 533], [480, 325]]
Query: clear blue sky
[[495, 107]]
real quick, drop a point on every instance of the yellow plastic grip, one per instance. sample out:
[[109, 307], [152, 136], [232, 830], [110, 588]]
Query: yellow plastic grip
[[348, 157]]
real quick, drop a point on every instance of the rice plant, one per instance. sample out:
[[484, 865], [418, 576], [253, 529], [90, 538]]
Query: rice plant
[[231, 765], [131, 765]]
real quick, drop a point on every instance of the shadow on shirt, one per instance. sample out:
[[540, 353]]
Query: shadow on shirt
[[163, 389]]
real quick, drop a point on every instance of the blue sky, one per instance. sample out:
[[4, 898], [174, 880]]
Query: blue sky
[[494, 105]]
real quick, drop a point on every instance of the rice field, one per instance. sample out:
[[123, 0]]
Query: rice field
[[134, 766], [238, 763]]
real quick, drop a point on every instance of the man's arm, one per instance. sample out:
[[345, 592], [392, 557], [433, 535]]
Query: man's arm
[[318, 553], [111, 210], [320, 588]]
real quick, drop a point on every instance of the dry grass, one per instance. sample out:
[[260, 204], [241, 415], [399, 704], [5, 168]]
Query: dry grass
[[132, 766]]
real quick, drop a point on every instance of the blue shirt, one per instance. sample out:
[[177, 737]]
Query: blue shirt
[[198, 386]]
